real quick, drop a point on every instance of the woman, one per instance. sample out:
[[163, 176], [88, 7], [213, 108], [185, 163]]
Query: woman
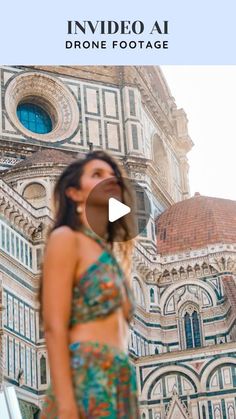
[[87, 302]]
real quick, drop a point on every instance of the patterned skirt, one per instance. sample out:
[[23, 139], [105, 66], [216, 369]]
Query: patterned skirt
[[104, 383]]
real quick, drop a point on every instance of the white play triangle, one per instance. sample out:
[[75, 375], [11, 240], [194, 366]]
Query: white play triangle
[[116, 209]]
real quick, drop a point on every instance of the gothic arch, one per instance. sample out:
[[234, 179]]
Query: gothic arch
[[166, 274], [197, 270], [209, 369], [174, 274], [182, 273], [215, 370], [184, 307], [171, 374], [205, 268], [173, 287], [190, 325], [154, 376], [189, 271]]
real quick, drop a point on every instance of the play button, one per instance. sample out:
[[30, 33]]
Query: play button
[[116, 210], [124, 205]]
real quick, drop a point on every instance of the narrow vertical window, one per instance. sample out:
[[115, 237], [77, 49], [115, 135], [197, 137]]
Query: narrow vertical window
[[30, 257], [152, 297], [142, 227], [8, 240], [134, 130], [188, 331], [21, 251], [196, 330], [3, 236], [203, 412], [12, 244], [43, 370], [192, 329], [17, 248], [26, 254], [132, 103]]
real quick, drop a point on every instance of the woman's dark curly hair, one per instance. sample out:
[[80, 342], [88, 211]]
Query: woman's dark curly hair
[[119, 232], [65, 208]]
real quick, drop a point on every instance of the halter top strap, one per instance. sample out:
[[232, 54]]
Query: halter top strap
[[90, 233]]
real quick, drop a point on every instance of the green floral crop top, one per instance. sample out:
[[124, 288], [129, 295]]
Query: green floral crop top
[[98, 291]]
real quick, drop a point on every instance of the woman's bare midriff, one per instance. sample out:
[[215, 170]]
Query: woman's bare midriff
[[111, 330]]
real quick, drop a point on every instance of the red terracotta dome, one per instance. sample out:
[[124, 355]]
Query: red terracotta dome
[[196, 222]]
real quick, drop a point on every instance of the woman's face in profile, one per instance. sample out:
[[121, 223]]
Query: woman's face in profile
[[98, 183]]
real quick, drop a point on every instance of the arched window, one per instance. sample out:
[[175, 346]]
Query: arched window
[[43, 370], [192, 329], [217, 413], [231, 412], [152, 297], [203, 412]]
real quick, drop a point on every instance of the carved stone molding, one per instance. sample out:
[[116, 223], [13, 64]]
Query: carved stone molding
[[49, 93], [224, 263], [29, 220]]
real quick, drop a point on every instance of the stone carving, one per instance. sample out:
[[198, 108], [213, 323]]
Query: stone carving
[[49, 93], [222, 264], [176, 408]]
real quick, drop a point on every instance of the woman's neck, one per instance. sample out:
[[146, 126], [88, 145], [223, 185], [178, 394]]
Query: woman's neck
[[96, 220]]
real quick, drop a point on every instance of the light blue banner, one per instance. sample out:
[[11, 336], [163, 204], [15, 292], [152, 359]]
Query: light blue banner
[[198, 32]]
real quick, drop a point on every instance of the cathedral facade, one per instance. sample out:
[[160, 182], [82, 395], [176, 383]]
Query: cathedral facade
[[183, 332], [192, 373]]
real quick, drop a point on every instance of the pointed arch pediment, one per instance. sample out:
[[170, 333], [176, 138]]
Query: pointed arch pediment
[[176, 408]]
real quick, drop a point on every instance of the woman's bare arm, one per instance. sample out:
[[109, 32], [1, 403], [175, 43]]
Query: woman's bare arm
[[60, 260]]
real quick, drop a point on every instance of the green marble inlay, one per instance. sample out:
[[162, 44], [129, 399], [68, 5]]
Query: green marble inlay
[[223, 408], [210, 410]]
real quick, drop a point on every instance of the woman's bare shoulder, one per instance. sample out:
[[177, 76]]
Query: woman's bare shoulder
[[63, 230], [64, 235]]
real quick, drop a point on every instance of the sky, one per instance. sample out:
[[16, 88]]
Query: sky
[[208, 96]]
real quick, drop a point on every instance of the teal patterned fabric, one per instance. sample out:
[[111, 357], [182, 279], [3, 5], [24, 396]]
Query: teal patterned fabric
[[103, 378], [98, 291], [104, 381]]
